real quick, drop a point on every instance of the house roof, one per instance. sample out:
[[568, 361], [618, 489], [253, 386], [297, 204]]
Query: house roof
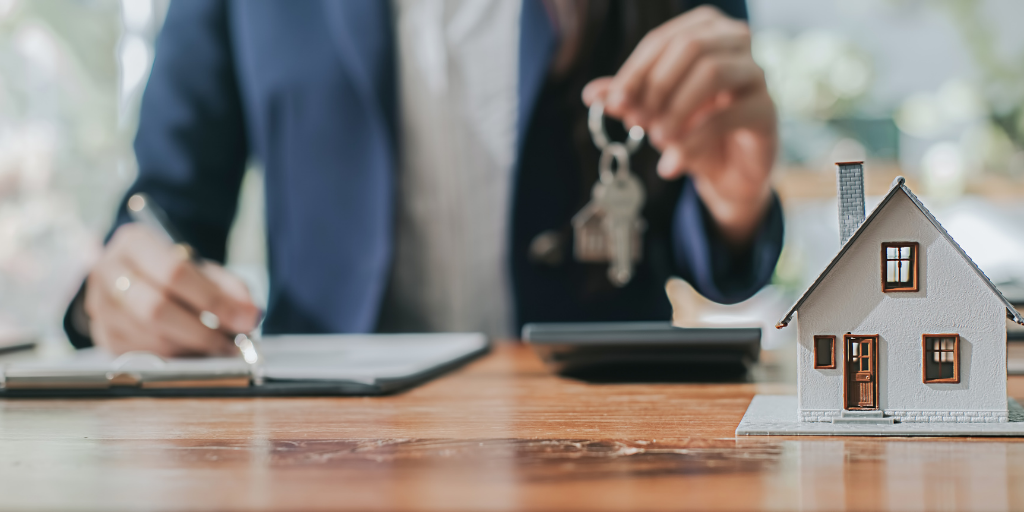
[[899, 184]]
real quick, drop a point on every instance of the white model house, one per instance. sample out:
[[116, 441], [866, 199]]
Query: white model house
[[901, 325]]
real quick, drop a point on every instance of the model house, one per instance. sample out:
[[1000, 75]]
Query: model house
[[901, 326]]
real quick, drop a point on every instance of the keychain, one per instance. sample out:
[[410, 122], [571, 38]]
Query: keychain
[[609, 228]]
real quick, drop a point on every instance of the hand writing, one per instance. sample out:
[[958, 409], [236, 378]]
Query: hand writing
[[144, 294]]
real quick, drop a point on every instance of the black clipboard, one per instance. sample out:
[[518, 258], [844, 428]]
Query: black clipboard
[[97, 378]]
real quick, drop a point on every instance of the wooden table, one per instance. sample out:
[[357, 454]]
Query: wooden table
[[501, 433]]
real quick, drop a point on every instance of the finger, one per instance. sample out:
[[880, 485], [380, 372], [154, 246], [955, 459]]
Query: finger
[[754, 113], [112, 327], [111, 336], [155, 260], [101, 335], [680, 57], [596, 90], [228, 282], [660, 138], [745, 133], [178, 330], [124, 334], [107, 315], [710, 78], [157, 322], [746, 130], [629, 79], [672, 164], [235, 287]]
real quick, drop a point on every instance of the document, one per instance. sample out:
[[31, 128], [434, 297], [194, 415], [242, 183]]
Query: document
[[373, 363]]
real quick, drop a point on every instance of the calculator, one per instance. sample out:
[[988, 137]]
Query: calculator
[[645, 351]]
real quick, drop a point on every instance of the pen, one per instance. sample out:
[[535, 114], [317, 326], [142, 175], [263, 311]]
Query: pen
[[145, 211]]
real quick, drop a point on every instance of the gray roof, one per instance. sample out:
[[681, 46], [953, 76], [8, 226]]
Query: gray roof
[[899, 184]]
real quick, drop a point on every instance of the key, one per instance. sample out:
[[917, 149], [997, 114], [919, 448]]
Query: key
[[590, 238], [609, 228], [622, 202], [620, 198]]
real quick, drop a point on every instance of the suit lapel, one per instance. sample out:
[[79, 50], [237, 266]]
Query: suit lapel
[[363, 35], [537, 45], [362, 31]]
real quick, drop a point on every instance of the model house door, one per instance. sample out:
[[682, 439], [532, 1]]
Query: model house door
[[861, 372]]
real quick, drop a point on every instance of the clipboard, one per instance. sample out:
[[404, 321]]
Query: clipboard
[[290, 365]]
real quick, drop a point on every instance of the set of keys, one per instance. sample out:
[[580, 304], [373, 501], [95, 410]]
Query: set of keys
[[609, 229]]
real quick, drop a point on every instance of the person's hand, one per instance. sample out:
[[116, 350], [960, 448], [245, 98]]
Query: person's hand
[[146, 294], [694, 87]]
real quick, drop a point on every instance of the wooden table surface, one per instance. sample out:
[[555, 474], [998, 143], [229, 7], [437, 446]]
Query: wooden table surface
[[501, 433]]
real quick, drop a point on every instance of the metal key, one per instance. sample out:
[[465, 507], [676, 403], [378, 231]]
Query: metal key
[[590, 240], [621, 197], [609, 228]]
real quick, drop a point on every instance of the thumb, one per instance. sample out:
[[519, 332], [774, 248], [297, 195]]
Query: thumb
[[672, 164], [596, 90], [242, 314]]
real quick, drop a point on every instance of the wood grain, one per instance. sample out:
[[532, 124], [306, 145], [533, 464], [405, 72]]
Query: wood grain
[[499, 434]]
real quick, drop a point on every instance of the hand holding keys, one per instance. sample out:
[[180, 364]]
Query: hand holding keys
[[609, 227]]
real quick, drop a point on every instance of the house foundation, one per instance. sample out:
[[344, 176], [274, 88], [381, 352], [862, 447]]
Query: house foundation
[[912, 416]]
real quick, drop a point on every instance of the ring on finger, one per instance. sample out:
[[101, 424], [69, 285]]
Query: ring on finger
[[122, 283], [209, 319]]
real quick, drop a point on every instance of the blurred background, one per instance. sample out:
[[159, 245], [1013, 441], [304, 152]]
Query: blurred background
[[929, 89]]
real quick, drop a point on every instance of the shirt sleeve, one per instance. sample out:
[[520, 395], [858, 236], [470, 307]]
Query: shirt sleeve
[[191, 143], [709, 264], [714, 269]]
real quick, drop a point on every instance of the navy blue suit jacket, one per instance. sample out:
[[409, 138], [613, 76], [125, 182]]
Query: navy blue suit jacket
[[308, 89]]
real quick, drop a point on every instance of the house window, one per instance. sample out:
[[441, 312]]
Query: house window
[[942, 358], [824, 352], [899, 267]]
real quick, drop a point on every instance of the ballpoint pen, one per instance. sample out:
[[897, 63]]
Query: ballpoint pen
[[145, 211]]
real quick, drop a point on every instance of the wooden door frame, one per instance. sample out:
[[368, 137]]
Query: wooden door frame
[[846, 370]]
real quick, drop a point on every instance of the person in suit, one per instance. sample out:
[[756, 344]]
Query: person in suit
[[423, 159]]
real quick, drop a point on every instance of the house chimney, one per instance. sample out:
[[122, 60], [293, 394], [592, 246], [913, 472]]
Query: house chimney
[[850, 184]]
